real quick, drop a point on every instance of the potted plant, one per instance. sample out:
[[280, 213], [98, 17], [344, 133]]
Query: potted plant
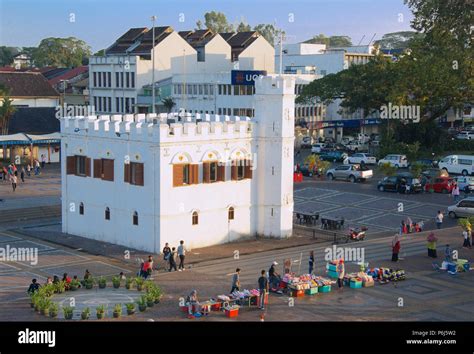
[[89, 283], [100, 312], [157, 294], [150, 300], [139, 282], [44, 304], [130, 308], [53, 310], [102, 282], [117, 310], [116, 282], [37, 302], [85, 313], [142, 303], [59, 287], [34, 297], [68, 312], [74, 285], [128, 283]]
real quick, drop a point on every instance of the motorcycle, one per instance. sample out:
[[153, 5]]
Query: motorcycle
[[356, 233]]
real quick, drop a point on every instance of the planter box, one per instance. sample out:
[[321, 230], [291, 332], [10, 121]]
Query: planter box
[[232, 313], [355, 284], [311, 291], [324, 289]]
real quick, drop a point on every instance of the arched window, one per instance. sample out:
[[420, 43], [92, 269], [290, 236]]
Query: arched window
[[230, 214], [135, 218], [195, 218], [107, 213], [81, 208]]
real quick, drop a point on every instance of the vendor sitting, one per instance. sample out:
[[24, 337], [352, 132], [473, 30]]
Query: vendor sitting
[[193, 302]]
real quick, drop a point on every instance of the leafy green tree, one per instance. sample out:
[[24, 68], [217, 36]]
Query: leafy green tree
[[62, 52], [387, 169], [168, 103], [332, 41], [319, 39], [397, 40], [243, 27], [100, 53], [216, 22], [7, 54], [6, 110], [269, 32]]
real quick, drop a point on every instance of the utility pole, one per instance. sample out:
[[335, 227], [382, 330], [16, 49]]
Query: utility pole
[[281, 52], [153, 19]]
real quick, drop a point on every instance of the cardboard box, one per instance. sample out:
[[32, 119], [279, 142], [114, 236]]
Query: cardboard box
[[367, 284]]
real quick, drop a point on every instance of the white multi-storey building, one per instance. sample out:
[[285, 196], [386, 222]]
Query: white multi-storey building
[[142, 180]]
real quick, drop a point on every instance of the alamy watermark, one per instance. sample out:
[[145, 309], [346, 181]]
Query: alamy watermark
[[72, 111], [19, 254], [348, 254], [404, 113]]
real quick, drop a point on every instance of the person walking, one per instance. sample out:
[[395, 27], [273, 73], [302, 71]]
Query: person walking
[[263, 289], [181, 254], [235, 281], [28, 170], [455, 192], [448, 253], [172, 259], [166, 254], [395, 248], [467, 238], [22, 174], [14, 180], [439, 219], [341, 272], [432, 245], [43, 161], [311, 262]]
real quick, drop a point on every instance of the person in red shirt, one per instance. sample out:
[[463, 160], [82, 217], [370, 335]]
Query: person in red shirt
[[67, 279], [395, 248]]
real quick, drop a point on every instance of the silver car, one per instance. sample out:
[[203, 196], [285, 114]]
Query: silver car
[[463, 208]]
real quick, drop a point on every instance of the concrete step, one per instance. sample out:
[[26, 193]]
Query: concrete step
[[12, 215]]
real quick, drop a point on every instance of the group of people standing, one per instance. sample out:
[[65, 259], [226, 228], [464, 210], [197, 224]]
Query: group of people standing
[[171, 255], [12, 172]]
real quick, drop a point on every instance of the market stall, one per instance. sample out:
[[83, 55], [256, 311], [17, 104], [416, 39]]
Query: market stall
[[308, 284]]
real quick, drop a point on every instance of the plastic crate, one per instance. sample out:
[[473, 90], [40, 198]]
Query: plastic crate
[[331, 267], [332, 274], [297, 293], [452, 267], [232, 313], [324, 289], [216, 306], [311, 291], [355, 284]]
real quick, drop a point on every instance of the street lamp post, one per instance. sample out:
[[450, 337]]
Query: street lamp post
[[153, 19]]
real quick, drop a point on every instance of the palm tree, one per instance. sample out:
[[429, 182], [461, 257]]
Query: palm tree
[[6, 109], [168, 103]]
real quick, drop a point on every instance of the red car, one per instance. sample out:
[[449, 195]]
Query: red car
[[441, 184]]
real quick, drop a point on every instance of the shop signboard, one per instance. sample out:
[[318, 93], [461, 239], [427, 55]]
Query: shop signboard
[[246, 77]]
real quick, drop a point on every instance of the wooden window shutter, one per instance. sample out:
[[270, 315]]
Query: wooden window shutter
[[206, 172], [108, 171], [248, 169], [234, 171], [71, 165], [88, 166], [194, 169], [97, 168], [126, 173], [221, 172], [177, 175], [139, 174]]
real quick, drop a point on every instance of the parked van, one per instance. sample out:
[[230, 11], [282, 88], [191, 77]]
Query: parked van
[[398, 161], [461, 164], [464, 208]]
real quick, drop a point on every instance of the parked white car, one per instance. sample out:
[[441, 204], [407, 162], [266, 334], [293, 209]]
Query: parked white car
[[362, 158], [398, 161], [465, 135], [356, 146], [351, 173], [316, 148], [464, 208]]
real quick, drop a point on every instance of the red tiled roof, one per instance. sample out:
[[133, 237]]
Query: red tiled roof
[[27, 84], [69, 74]]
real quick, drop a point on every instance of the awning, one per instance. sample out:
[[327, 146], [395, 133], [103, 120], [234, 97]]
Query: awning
[[14, 139], [28, 139], [45, 138]]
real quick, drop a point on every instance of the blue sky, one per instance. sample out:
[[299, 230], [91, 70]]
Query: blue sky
[[100, 22]]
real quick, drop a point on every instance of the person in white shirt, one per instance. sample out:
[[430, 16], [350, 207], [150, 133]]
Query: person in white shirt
[[439, 219], [14, 180], [181, 254]]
